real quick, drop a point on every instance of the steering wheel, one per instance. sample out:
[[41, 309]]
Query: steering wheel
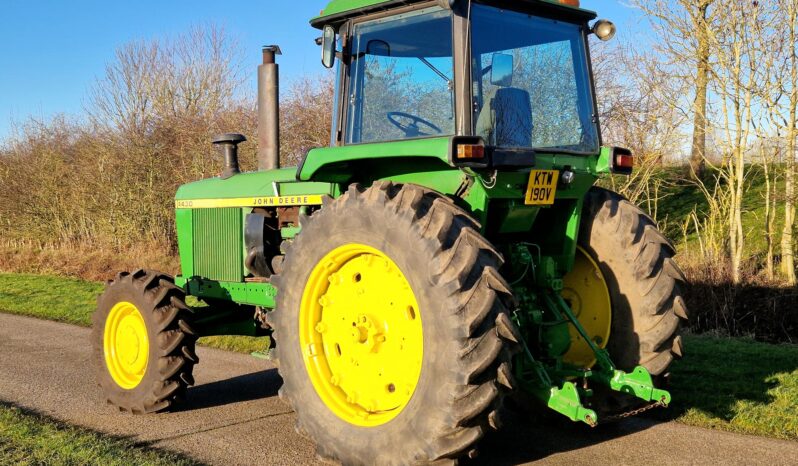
[[411, 129]]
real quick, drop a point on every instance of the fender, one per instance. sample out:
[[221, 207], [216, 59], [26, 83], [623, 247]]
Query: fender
[[324, 164]]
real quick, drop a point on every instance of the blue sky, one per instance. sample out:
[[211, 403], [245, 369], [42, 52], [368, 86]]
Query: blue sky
[[51, 52]]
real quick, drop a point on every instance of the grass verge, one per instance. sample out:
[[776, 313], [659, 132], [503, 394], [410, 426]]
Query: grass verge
[[736, 385], [28, 438], [72, 301]]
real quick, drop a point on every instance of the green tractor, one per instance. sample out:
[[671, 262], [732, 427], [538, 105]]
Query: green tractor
[[447, 253]]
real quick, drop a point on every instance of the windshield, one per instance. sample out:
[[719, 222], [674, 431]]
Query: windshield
[[401, 78], [531, 82]]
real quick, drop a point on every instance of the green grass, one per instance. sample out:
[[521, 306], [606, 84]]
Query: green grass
[[737, 385], [27, 438], [54, 298], [730, 384], [73, 301], [238, 344]]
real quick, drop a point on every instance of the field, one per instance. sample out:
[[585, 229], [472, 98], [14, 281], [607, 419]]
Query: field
[[730, 384]]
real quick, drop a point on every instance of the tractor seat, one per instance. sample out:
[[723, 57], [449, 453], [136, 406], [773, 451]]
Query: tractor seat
[[506, 118]]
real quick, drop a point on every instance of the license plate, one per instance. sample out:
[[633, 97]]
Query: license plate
[[542, 187]]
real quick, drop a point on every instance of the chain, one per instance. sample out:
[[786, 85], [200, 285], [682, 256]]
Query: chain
[[634, 412]]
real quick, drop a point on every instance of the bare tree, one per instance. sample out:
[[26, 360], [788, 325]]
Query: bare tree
[[789, 9], [735, 102], [770, 93], [739, 44], [699, 15], [683, 29], [637, 111], [770, 154], [779, 95], [195, 75]]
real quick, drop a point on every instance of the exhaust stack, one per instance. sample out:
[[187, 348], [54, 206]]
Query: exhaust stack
[[269, 110]]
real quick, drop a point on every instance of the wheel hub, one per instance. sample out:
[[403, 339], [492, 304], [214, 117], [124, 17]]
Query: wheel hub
[[362, 335], [126, 345]]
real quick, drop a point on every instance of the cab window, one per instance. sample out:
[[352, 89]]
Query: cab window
[[401, 78]]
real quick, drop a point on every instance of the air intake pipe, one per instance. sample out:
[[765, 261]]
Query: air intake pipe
[[269, 110], [229, 143]]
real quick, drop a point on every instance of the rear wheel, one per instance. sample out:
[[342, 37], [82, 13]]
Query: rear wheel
[[635, 264], [143, 342], [392, 329]]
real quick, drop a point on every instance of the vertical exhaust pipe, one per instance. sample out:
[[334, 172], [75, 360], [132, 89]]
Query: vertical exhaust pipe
[[269, 110]]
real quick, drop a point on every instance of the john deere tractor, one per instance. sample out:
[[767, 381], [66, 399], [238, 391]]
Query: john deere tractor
[[449, 251]]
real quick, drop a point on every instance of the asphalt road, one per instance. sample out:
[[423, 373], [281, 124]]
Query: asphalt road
[[233, 415]]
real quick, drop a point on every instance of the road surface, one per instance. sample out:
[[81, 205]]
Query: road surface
[[233, 415]]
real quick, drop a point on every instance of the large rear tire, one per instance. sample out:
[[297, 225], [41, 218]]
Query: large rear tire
[[644, 282], [453, 379], [143, 342]]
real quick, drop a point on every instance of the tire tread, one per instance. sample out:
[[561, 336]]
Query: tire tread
[[175, 346], [465, 264]]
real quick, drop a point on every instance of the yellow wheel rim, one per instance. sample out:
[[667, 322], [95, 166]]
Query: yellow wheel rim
[[585, 289], [361, 335], [126, 345]]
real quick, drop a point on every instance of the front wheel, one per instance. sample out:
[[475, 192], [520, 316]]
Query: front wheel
[[143, 342], [392, 328]]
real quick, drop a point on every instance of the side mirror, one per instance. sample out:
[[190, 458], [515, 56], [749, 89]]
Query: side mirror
[[328, 47], [501, 70]]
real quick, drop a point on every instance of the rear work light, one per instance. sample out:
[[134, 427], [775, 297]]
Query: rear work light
[[623, 162]]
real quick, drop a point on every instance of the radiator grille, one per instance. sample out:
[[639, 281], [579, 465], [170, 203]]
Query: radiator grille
[[218, 246]]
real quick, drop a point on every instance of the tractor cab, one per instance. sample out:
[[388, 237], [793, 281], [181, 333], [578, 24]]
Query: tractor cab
[[514, 74]]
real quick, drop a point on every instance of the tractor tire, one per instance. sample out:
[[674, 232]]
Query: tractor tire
[[644, 283], [143, 342], [468, 338]]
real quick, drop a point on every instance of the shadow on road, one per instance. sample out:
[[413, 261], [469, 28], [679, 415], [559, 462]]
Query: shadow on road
[[718, 373], [527, 439], [248, 387], [522, 439]]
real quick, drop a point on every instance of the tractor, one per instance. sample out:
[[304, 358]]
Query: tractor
[[448, 257]]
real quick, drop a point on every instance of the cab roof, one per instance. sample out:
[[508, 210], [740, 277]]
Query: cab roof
[[339, 10]]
